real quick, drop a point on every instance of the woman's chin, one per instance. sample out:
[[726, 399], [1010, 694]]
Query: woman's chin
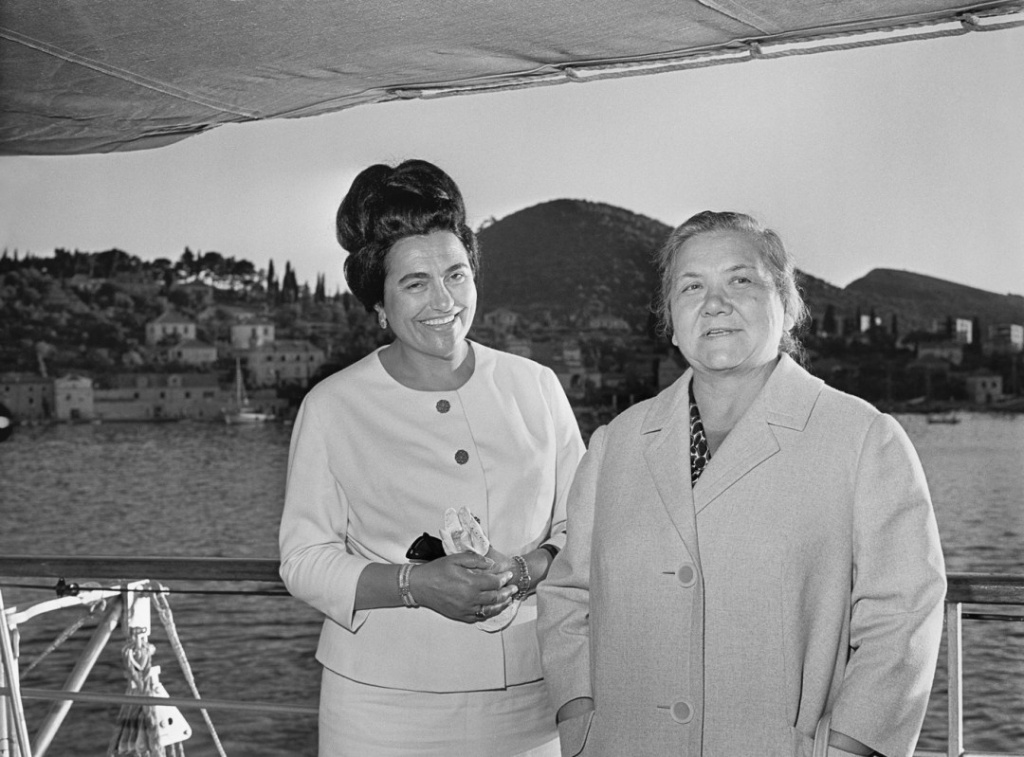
[[717, 362], [727, 365]]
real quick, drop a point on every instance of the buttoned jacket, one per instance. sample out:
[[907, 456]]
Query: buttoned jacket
[[374, 464], [802, 574]]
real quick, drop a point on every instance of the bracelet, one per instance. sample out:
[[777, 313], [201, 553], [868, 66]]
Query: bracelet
[[551, 549], [403, 584], [524, 577]]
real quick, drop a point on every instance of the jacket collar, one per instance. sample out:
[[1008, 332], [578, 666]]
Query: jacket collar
[[790, 395], [786, 400]]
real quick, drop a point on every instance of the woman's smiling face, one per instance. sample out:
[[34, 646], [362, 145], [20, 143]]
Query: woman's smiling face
[[430, 294], [727, 316]]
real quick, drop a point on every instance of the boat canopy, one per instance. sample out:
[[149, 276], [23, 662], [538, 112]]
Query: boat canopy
[[93, 76]]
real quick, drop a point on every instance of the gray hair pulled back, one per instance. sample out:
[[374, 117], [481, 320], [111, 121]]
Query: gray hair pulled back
[[773, 253]]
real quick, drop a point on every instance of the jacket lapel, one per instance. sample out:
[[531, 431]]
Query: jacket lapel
[[748, 445], [665, 432], [786, 400]]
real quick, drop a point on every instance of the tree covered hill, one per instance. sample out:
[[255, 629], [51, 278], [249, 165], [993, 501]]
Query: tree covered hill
[[567, 260], [88, 311], [918, 302], [571, 259], [927, 299], [558, 264]]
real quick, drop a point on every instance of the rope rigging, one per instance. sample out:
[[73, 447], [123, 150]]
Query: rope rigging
[[142, 729]]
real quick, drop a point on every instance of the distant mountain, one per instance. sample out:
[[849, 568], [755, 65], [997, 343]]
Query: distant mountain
[[924, 299], [571, 259], [565, 260]]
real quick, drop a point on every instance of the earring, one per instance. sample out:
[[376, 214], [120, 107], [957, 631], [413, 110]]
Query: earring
[[382, 319]]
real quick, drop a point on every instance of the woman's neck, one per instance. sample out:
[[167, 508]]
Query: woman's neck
[[724, 398], [425, 372]]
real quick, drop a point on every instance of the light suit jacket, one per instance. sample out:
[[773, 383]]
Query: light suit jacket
[[802, 574], [374, 464]]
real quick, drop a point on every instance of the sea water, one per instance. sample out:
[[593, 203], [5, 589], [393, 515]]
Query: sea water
[[199, 489]]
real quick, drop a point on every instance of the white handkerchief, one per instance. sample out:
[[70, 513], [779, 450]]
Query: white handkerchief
[[462, 532]]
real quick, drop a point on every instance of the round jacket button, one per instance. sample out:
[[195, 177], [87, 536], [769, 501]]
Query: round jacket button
[[462, 457], [682, 712], [443, 406], [686, 575]]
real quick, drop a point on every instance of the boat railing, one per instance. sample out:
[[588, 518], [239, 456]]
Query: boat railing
[[77, 585], [972, 589], [964, 590]]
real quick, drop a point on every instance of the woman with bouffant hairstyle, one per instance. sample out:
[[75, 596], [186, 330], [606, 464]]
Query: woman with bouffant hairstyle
[[426, 649]]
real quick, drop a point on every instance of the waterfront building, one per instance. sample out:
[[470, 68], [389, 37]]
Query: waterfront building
[[27, 396], [984, 388], [1005, 339], [158, 396], [171, 325], [192, 352], [73, 398], [283, 362], [251, 334]]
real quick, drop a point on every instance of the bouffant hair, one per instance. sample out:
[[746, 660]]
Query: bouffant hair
[[385, 205]]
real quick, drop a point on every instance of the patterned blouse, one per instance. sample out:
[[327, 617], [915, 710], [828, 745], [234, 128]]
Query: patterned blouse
[[700, 454]]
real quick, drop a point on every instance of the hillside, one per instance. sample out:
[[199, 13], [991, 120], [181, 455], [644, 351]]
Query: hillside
[[571, 259], [922, 300], [558, 264]]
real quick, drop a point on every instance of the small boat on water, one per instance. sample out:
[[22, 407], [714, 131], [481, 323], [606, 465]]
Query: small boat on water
[[943, 418], [243, 411]]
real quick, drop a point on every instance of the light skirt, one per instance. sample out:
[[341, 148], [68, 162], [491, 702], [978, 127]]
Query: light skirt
[[358, 720]]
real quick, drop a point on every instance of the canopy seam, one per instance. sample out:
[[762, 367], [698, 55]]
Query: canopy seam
[[735, 11], [123, 74], [748, 50]]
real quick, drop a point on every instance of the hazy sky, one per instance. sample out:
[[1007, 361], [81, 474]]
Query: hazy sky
[[904, 156]]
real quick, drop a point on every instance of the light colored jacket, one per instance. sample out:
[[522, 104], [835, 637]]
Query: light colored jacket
[[802, 574], [374, 464]]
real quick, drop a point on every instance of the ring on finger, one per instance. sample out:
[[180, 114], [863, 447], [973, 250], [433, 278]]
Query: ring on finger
[[480, 613]]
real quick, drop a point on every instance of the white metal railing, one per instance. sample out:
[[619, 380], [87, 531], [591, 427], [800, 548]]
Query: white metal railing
[[132, 600], [972, 589], [963, 589]]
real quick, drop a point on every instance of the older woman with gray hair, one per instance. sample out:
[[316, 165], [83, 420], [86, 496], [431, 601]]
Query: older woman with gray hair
[[753, 565]]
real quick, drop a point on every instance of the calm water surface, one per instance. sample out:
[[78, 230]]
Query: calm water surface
[[190, 489]]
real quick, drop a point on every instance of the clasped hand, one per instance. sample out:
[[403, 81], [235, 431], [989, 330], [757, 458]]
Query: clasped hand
[[465, 586]]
